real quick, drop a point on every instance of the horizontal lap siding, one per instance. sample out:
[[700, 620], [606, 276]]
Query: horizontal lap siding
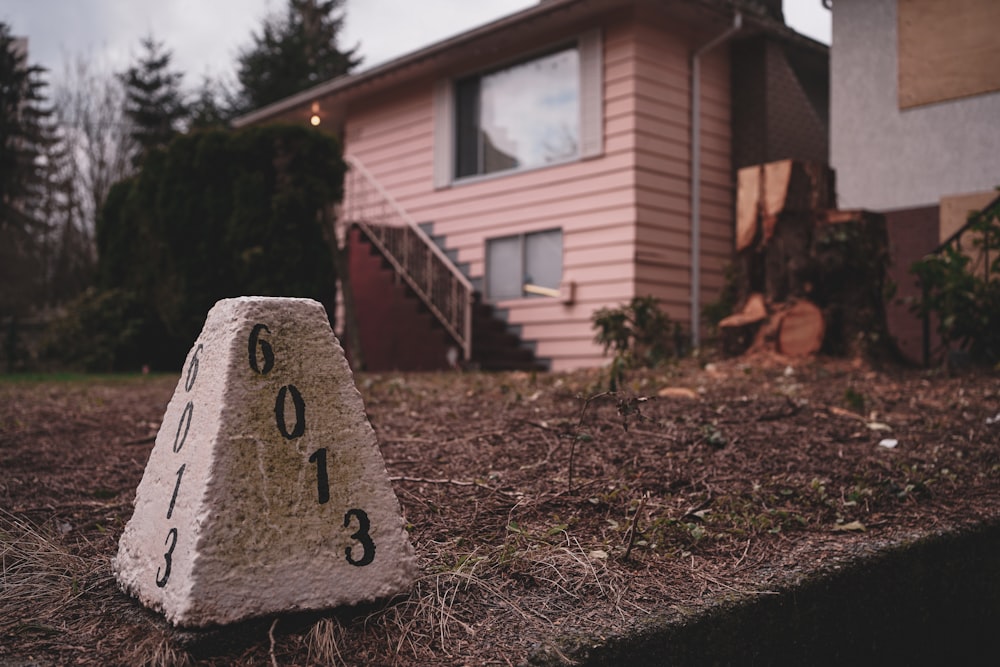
[[593, 201], [663, 154]]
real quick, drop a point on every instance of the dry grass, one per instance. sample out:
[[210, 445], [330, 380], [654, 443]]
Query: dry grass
[[157, 650], [546, 513], [39, 573]]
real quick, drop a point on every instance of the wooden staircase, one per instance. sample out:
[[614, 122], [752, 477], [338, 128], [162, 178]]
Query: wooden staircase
[[415, 306]]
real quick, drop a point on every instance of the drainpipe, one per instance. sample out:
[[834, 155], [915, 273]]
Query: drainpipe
[[696, 173]]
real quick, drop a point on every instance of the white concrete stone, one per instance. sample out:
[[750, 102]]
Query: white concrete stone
[[233, 517]]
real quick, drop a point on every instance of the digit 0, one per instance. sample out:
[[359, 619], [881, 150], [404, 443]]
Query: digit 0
[[184, 423], [300, 412]]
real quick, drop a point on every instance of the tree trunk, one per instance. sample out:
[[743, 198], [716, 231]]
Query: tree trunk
[[813, 276]]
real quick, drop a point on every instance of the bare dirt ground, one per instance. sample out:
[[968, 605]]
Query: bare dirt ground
[[543, 508]]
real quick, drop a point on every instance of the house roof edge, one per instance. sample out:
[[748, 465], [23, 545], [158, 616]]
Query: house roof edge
[[351, 80], [758, 18]]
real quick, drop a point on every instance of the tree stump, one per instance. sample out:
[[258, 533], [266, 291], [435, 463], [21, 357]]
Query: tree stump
[[812, 276]]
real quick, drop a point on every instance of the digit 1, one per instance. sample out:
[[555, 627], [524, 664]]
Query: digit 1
[[177, 486], [322, 481]]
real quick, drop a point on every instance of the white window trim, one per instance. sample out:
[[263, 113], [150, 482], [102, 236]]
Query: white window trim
[[591, 54]]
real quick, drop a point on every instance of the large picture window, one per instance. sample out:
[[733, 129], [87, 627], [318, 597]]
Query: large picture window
[[524, 265], [545, 110], [523, 116]]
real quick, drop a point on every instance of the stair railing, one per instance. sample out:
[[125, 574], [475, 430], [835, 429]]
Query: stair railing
[[412, 254]]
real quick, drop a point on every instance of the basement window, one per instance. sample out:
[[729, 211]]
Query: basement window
[[524, 265]]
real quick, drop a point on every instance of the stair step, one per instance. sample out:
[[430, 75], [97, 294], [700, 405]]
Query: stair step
[[496, 344]]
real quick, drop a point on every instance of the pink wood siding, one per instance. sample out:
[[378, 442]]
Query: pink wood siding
[[660, 89], [624, 215]]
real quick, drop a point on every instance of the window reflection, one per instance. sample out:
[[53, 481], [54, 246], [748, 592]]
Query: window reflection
[[523, 116]]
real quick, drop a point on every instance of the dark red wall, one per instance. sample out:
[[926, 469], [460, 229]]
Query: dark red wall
[[396, 332], [912, 234]]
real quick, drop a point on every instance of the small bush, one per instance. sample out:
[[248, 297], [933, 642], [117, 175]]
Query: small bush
[[965, 298], [640, 334], [101, 331]]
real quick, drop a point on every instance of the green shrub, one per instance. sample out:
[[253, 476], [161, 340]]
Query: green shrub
[[101, 331], [639, 333], [966, 299]]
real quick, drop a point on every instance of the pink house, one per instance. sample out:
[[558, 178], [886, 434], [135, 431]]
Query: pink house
[[508, 182]]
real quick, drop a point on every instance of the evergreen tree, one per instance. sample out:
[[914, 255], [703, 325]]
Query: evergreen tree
[[207, 111], [153, 99], [292, 53], [25, 136], [216, 214]]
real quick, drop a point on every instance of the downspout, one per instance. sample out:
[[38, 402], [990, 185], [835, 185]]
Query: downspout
[[696, 173]]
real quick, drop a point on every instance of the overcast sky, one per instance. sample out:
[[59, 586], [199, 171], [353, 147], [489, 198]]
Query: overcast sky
[[206, 35]]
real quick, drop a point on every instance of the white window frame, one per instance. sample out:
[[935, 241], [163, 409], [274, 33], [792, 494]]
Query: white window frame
[[591, 58]]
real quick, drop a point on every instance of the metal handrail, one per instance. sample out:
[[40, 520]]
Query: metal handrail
[[446, 292]]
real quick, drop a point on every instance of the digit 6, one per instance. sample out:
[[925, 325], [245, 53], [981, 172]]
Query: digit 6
[[265, 350]]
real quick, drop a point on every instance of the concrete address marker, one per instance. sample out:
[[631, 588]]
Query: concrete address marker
[[266, 491]]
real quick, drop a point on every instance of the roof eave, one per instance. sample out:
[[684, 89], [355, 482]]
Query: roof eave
[[434, 50], [343, 85]]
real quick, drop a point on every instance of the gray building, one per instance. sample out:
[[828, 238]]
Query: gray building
[[915, 125]]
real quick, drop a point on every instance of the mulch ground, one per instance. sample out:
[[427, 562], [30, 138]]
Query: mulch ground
[[544, 508]]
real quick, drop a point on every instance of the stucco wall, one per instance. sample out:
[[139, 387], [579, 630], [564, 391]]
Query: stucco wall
[[887, 158]]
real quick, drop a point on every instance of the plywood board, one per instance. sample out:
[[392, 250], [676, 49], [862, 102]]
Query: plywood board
[[955, 210], [777, 176], [947, 50]]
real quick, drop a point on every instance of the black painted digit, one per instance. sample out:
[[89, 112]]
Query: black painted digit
[[177, 486], [168, 558], [322, 480], [185, 424], [192, 372], [361, 536], [265, 350], [300, 412]]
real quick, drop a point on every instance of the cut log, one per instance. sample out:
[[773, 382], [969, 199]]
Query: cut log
[[753, 311], [802, 330], [740, 329]]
